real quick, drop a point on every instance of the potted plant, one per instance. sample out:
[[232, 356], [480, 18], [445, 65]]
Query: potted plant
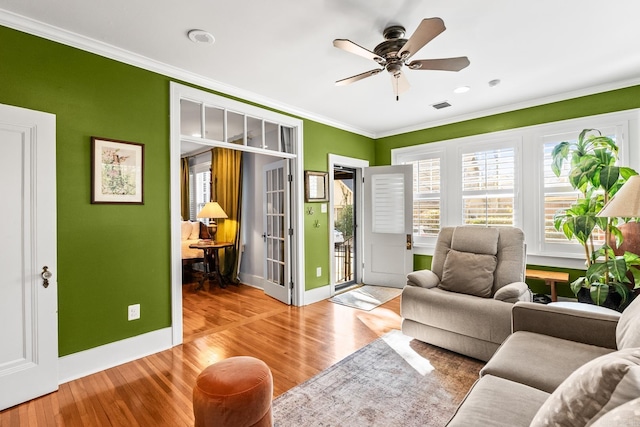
[[595, 174]]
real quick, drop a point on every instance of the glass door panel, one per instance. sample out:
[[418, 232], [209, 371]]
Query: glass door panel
[[214, 123], [271, 136], [254, 132], [235, 128], [190, 118]]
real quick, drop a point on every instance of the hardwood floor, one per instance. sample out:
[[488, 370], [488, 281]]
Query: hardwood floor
[[296, 343]]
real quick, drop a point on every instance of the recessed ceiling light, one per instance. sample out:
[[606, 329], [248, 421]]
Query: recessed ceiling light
[[462, 89], [200, 36], [494, 83]]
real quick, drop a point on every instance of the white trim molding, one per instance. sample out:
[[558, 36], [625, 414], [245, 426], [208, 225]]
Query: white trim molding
[[83, 363]]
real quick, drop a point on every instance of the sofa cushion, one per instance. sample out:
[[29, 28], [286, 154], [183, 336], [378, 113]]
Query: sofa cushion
[[185, 230], [482, 318], [539, 361], [468, 273], [628, 329], [494, 401], [475, 239], [594, 389], [626, 415], [195, 231]]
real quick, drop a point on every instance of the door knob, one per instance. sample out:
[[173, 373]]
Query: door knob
[[46, 275]]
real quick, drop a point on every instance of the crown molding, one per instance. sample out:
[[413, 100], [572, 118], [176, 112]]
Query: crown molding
[[68, 38], [513, 107]]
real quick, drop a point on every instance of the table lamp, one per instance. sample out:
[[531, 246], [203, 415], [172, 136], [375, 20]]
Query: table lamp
[[626, 202], [213, 211]]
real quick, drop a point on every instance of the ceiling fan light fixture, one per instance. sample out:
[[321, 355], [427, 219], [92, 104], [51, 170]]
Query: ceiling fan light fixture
[[201, 36], [462, 89]]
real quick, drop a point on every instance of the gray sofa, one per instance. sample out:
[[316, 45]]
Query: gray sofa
[[464, 302], [563, 365]]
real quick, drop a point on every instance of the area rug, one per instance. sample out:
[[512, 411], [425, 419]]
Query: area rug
[[387, 383], [366, 297]]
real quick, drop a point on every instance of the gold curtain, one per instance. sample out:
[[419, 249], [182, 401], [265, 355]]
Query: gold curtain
[[226, 167], [185, 210]]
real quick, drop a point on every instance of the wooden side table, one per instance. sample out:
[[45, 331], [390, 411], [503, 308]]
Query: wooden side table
[[550, 278], [211, 261]]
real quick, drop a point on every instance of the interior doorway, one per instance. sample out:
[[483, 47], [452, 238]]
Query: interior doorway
[[344, 226]]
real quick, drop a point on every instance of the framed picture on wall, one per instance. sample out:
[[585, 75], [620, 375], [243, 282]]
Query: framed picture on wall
[[117, 171], [316, 186]]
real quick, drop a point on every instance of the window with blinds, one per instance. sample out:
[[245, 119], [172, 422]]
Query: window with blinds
[[488, 186], [199, 189], [426, 197], [505, 179], [558, 193]]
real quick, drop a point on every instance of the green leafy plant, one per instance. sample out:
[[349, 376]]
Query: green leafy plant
[[595, 174]]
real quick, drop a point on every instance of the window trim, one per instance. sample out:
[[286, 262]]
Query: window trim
[[529, 190]]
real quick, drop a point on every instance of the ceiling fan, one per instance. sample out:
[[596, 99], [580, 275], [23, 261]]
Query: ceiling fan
[[395, 52]]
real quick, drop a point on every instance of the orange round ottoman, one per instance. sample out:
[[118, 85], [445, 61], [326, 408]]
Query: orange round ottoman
[[235, 392]]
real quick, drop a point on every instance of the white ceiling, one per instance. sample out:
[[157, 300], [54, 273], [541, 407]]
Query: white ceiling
[[279, 52]]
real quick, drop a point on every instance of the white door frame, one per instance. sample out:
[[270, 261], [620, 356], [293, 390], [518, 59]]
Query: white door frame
[[177, 92], [29, 365], [358, 165]]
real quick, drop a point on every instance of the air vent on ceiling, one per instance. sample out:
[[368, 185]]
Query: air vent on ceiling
[[441, 105]]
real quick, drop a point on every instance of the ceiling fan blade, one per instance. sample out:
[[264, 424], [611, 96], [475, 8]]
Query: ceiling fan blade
[[350, 46], [400, 83], [357, 77], [443, 64], [427, 30]]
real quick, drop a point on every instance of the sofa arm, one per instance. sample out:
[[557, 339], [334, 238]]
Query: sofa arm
[[597, 329], [514, 292], [423, 279]]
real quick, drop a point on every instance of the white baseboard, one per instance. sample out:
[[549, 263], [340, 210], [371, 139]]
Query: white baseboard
[[250, 280], [317, 294], [83, 363]]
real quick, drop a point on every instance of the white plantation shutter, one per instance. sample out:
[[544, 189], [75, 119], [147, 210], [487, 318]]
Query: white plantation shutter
[[558, 193], [387, 197], [488, 187], [426, 197]]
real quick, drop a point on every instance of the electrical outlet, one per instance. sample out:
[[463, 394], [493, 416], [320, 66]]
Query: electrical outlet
[[318, 271], [134, 312]]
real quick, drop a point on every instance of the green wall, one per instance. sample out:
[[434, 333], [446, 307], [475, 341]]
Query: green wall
[[606, 102], [319, 141], [110, 256]]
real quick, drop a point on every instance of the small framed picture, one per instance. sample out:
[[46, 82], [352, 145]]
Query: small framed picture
[[117, 171], [316, 186]]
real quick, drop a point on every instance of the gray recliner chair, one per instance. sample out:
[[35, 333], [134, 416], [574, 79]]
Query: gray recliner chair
[[464, 302]]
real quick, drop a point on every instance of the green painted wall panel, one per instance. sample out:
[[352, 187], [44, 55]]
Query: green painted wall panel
[[321, 140], [110, 256]]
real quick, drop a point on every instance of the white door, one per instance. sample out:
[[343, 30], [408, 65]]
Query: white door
[[28, 309], [388, 225], [277, 277]]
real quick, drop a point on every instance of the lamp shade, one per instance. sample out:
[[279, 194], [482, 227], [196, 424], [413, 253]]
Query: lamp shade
[[212, 210], [626, 202]]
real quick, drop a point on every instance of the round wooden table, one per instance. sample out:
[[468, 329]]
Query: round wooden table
[[211, 261]]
